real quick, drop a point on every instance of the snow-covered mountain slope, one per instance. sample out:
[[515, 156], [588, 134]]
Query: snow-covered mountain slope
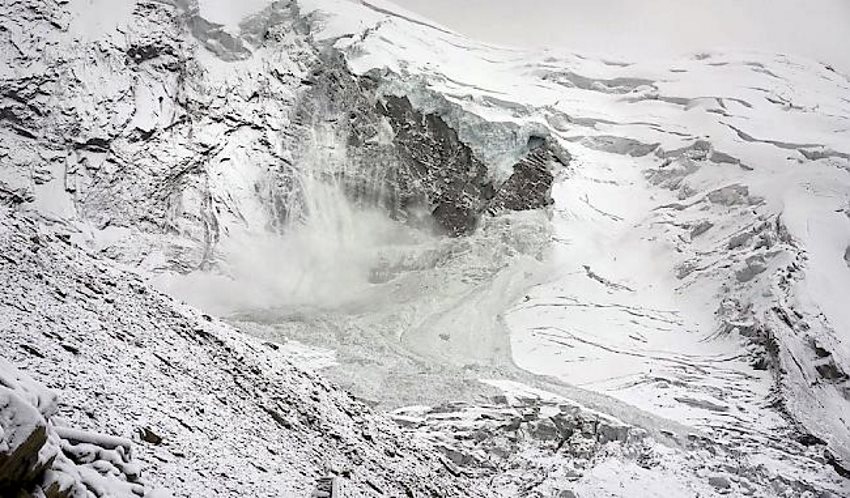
[[42, 456], [700, 233], [706, 210], [666, 308], [210, 412], [130, 129]]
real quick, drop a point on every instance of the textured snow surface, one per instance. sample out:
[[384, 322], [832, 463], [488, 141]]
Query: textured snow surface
[[210, 412], [686, 292], [698, 255], [40, 455]]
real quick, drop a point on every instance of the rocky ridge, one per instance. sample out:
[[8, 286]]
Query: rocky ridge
[[132, 140]]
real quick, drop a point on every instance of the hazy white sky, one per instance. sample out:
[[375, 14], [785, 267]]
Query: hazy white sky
[[819, 29]]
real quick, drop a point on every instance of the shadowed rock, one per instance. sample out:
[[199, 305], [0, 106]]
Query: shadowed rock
[[20, 466], [435, 162], [530, 185], [409, 161]]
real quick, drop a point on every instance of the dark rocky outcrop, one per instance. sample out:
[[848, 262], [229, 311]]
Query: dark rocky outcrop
[[410, 161], [435, 164], [530, 184], [20, 467]]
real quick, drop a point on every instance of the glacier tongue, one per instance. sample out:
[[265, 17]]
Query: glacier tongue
[[564, 276]]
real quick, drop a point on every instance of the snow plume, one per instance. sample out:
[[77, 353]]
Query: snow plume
[[331, 248]]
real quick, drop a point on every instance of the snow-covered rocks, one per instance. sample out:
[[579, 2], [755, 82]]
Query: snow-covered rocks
[[40, 456], [24, 435], [519, 439], [687, 269], [210, 411]]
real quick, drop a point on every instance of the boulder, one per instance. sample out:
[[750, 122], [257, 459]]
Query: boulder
[[23, 435]]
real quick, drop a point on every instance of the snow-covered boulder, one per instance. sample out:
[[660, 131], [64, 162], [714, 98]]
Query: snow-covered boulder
[[40, 458]]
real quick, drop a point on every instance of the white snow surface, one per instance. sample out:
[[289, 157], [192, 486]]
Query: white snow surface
[[690, 280], [229, 415], [707, 204]]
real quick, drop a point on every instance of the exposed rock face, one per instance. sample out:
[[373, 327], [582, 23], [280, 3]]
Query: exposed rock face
[[411, 161], [436, 165], [530, 185]]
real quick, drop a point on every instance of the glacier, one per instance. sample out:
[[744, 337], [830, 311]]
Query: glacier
[[537, 273]]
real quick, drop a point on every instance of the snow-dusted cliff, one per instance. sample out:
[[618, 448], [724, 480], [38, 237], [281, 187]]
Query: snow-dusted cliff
[[605, 277]]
